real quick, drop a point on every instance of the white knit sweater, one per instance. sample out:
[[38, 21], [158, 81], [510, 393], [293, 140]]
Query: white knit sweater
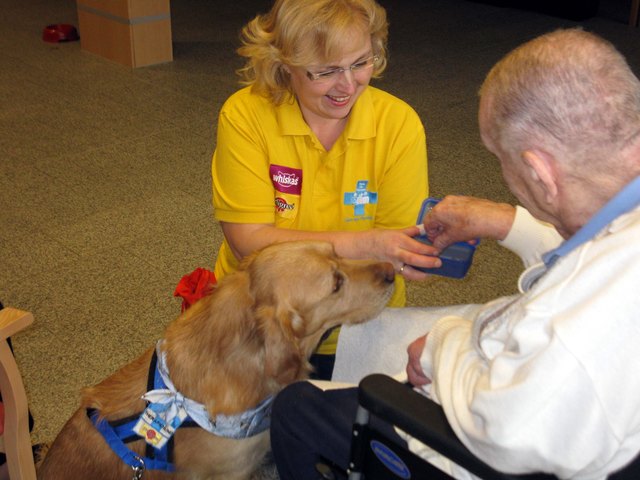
[[549, 380]]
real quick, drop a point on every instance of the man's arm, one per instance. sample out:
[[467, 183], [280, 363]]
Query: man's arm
[[460, 219], [456, 219]]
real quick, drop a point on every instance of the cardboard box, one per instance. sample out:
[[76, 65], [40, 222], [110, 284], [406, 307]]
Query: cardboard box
[[135, 33]]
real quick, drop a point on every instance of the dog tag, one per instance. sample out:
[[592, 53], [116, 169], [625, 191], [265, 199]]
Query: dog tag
[[155, 428]]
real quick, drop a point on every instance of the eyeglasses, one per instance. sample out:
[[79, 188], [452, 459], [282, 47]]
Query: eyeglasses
[[334, 72]]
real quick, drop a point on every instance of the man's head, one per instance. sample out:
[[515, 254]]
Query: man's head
[[562, 113]]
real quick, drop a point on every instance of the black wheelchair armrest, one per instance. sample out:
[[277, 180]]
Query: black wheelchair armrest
[[420, 417]]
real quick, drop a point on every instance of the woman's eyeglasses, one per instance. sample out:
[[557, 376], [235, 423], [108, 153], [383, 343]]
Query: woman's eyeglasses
[[334, 72]]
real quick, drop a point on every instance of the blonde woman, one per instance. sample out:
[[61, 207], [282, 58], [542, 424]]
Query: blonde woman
[[309, 150]]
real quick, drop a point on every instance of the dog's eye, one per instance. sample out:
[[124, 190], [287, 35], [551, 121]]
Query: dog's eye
[[338, 280]]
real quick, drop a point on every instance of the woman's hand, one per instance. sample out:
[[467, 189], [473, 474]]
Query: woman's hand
[[462, 219], [399, 248]]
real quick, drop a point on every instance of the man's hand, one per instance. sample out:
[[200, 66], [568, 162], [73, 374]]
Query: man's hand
[[461, 219], [416, 375]]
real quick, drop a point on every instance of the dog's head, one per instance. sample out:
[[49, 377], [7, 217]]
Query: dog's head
[[255, 332], [301, 290]]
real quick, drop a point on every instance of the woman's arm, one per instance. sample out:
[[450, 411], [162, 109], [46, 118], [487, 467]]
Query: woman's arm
[[394, 246]]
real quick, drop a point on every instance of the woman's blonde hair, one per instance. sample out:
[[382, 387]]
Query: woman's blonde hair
[[302, 32]]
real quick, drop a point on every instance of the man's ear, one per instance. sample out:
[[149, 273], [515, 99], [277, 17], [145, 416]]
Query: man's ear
[[542, 167]]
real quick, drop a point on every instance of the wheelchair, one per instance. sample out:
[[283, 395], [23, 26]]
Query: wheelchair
[[375, 457]]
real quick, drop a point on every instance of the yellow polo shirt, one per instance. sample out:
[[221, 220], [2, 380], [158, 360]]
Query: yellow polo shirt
[[269, 167]]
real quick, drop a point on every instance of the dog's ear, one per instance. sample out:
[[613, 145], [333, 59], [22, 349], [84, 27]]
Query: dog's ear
[[284, 360]]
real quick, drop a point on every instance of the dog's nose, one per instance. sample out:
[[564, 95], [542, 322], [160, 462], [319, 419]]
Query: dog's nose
[[388, 273]]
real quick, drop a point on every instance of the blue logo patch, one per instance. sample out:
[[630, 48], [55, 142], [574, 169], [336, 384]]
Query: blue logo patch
[[390, 460], [360, 197]]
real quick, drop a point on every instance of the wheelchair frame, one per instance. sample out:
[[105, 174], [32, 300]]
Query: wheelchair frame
[[375, 457]]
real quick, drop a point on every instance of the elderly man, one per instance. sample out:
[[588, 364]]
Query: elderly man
[[545, 380]]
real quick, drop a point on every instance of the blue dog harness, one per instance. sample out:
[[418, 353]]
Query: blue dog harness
[[168, 410]]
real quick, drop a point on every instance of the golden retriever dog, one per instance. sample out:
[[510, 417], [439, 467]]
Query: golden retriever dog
[[230, 351]]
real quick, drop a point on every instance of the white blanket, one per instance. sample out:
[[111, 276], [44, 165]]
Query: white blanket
[[380, 345]]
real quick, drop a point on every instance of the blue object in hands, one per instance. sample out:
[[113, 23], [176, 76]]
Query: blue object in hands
[[456, 258]]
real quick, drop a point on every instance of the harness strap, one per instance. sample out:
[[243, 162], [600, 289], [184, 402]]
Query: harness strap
[[117, 445], [117, 433], [154, 380], [120, 432], [165, 454], [124, 428]]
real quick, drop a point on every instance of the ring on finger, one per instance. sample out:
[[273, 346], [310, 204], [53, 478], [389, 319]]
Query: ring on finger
[[402, 268]]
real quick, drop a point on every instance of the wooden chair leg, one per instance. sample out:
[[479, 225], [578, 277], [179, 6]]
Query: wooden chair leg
[[16, 439], [635, 9]]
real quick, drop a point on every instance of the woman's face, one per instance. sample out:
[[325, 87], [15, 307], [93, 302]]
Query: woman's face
[[332, 98]]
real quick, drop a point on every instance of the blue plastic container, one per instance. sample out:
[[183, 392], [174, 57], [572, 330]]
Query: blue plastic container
[[456, 258]]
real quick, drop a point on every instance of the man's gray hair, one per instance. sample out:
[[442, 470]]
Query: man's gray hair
[[568, 91]]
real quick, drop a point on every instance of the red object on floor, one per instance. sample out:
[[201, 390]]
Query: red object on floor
[[60, 33], [194, 286]]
